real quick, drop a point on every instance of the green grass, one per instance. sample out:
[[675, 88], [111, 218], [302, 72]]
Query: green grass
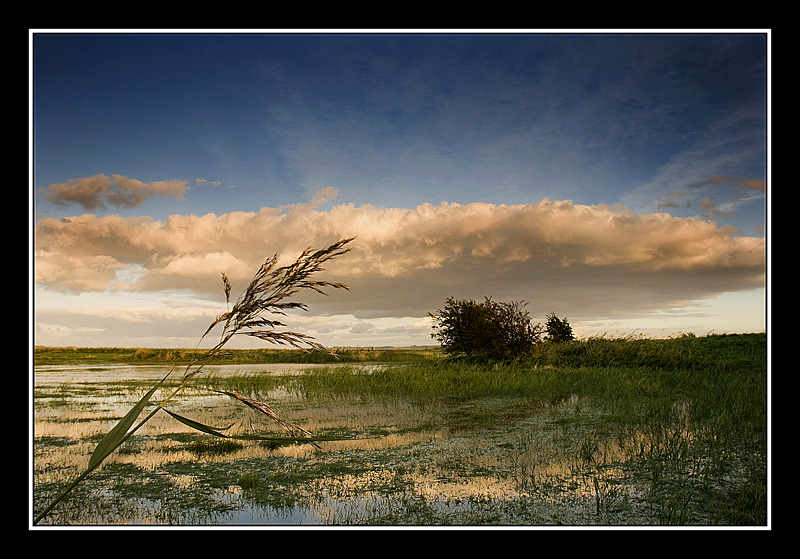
[[611, 368], [692, 410], [149, 356]]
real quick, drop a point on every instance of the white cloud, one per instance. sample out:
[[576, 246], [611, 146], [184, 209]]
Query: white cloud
[[584, 262]]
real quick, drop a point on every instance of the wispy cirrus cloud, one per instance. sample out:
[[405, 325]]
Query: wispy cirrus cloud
[[743, 182]]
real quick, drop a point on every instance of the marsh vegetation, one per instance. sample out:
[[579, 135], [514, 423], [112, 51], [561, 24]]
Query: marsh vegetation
[[590, 432]]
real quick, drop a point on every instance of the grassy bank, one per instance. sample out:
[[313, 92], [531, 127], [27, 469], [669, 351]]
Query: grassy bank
[[149, 356], [626, 368], [674, 353]]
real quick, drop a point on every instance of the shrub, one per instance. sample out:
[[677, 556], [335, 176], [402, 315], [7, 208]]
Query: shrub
[[558, 329], [487, 329]]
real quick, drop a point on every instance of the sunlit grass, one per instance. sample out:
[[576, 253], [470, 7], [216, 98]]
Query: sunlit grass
[[43, 356]]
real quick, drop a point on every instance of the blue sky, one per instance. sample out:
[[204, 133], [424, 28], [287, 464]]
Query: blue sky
[[561, 140]]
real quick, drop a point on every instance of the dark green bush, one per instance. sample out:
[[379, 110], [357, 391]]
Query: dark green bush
[[488, 329], [558, 329]]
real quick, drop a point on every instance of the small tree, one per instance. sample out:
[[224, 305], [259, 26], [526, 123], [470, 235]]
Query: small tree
[[558, 329], [487, 329]]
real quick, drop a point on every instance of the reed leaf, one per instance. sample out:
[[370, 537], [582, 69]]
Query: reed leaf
[[199, 426], [111, 441], [217, 432]]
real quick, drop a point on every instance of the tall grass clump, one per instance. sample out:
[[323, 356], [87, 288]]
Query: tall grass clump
[[715, 370], [253, 314]]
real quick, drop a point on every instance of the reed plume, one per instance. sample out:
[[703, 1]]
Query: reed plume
[[270, 292]]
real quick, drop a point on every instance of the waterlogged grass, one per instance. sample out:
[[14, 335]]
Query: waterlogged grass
[[596, 432]]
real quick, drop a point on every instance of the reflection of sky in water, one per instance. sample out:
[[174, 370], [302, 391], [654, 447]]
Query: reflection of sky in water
[[76, 404], [51, 374], [82, 404]]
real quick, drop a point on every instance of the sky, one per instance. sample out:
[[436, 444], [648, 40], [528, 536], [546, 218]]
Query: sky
[[618, 179]]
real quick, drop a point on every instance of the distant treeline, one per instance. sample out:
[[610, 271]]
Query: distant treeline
[[686, 351]]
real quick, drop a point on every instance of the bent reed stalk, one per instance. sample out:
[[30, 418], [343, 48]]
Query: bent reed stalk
[[269, 292]]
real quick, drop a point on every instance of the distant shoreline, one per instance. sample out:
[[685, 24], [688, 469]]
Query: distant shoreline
[[46, 355], [70, 355]]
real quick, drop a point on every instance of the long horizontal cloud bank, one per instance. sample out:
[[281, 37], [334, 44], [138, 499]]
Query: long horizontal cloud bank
[[585, 262]]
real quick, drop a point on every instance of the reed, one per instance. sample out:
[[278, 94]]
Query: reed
[[270, 293]]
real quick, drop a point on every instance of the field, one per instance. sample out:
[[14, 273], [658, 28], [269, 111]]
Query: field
[[608, 432]]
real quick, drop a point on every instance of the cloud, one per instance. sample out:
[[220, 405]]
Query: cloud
[[734, 181], [128, 326], [206, 182], [93, 193], [577, 260]]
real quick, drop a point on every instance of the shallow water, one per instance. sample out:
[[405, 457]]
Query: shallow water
[[75, 406], [487, 461]]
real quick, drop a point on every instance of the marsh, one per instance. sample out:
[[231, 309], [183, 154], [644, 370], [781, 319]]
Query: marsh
[[515, 444]]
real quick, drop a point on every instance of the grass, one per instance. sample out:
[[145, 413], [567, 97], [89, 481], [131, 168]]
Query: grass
[[692, 412], [44, 356]]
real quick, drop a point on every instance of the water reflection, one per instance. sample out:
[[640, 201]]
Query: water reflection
[[74, 407], [390, 450]]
